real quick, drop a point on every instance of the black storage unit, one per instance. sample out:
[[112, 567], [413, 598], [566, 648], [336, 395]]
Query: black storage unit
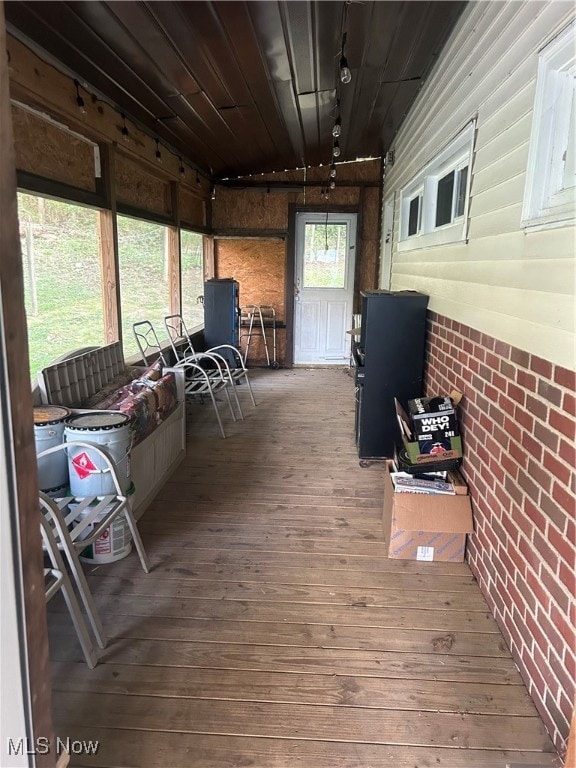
[[221, 311], [389, 358]]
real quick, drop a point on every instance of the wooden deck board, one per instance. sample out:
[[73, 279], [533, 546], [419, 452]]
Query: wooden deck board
[[299, 660], [273, 632], [295, 688], [300, 575], [191, 589], [120, 748], [308, 722], [241, 610]]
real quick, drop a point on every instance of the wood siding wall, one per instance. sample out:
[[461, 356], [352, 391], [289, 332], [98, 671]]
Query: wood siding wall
[[517, 420], [515, 286]]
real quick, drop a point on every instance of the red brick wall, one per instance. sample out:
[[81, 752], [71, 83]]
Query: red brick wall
[[518, 423]]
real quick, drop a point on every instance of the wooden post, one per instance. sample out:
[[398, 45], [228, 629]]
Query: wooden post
[[173, 254], [25, 655], [209, 258], [108, 236]]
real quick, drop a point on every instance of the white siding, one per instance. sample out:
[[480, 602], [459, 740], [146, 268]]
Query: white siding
[[518, 287]]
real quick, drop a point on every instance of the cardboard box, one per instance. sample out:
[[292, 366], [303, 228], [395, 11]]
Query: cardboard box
[[421, 526], [452, 449], [434, 423]]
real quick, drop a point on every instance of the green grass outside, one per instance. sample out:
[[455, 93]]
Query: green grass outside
[[68, 282]]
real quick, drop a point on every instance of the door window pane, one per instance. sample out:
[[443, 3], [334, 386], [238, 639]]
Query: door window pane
[[191, 246], [324, 256], [62, 278], [144, 295]]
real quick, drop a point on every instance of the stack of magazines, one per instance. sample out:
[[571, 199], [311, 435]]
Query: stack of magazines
[[406, 483]]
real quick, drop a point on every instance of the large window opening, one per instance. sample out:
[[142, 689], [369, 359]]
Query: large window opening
[[143, 263], [192, 265], [62, 278], [62, 267]]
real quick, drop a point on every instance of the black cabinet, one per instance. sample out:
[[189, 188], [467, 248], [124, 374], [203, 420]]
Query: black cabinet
[[221, 308], [389, 360]]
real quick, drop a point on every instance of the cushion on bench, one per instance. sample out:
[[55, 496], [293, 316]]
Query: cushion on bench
[[98, 379]]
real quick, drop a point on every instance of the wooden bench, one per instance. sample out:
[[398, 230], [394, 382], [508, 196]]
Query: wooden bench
[[78, 378]]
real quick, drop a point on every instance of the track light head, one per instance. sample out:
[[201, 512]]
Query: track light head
[[345, 74]]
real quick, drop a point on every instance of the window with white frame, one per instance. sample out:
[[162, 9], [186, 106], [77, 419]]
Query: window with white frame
[[434, 205], [550, 193]]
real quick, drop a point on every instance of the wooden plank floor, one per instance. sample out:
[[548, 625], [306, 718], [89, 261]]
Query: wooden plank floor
[[272, 632]]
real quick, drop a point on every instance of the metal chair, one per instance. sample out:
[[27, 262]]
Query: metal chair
[[230, 356], [77, 522], [56, 578], [203, 374]]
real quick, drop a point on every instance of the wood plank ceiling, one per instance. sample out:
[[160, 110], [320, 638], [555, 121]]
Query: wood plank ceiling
[[250, 86]]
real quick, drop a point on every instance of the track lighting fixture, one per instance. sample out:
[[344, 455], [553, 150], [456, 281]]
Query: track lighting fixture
[[332, 184], [345, 74], [336, 150], [337, 130], [79, 99], [333, 171], [126, 135]]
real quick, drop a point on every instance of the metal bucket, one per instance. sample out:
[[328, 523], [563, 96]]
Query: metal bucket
[[49, 432], [87, 470], [113, 544]]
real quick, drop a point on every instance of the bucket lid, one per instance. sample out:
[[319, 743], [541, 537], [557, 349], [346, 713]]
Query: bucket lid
[[97, 421], [49, 414]]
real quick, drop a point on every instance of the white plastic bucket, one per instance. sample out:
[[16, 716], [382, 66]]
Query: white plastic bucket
[[114, 543], [87, 469], [49, 432]]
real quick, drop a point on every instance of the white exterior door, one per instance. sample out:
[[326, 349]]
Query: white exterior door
[[325, 258]]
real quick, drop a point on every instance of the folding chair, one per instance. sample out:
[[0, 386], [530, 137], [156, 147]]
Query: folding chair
[[56, 578], [77, 522], [183, 348], [199, 381]]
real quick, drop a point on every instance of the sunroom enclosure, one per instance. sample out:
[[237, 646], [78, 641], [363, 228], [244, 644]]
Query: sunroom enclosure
[[500, 329]]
